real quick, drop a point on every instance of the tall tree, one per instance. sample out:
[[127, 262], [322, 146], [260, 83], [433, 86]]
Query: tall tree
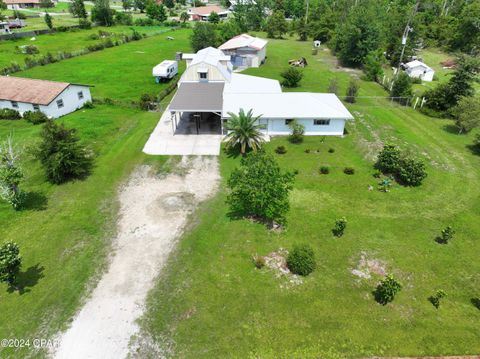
[[358, 36], [102, 14], [48, 20], [46, 4], [77, 9], [276, 24], [156, 11], [11, 175], [214, 18], [3, 7], [203, 36], [140, 5], [127, 4], [467, 34]]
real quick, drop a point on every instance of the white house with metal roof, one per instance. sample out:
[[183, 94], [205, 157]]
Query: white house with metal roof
[[209, 91], [54, 99], [418, 69], [245, 50]]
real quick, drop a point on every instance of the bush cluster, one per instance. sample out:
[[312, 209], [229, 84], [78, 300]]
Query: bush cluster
[[407, 170], [324, 170], [35, 117], [349, 170], [298, 131], [387, 289], [9, 114], [281, 150], [292, 77], [446, 235], [61, 154], [301, 260], [10, 262]]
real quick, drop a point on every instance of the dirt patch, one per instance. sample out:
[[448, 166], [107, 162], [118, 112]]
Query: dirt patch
[[153, 214], [277, 262], [368, 266]]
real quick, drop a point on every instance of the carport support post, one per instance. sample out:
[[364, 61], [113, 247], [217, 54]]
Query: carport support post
[[221, 126], [173, 116]]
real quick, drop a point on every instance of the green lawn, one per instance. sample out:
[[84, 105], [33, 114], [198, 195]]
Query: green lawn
[[121, 73], [70, 41], [213, 303], [64, 233]]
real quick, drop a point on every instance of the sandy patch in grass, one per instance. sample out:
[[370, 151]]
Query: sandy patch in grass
[[368, 266], [153, 214], [277, 262]]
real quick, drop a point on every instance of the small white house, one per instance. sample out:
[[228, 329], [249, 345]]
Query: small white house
[[54, 99], [165, 70], [24, 4], [245, 50], [4, 28], [418, 69]]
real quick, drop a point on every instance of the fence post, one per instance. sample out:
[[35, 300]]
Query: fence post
[[423, 102], [416, 102]]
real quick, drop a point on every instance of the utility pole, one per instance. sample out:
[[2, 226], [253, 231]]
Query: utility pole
[[405, 37], [306, 12]]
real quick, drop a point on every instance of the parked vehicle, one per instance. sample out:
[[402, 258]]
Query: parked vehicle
[[165, 70]]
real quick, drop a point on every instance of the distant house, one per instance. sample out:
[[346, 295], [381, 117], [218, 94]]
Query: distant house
[[417, 69], [4, 28], [209, 91], [202, 13], [23, 4], [245, 50], [54, 99]]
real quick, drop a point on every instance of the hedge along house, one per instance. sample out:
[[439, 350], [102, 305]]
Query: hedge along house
[[54, 99], [209, 91], [245, 50]]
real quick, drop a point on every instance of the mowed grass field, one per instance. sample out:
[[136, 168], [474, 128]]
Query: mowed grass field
[[64, 232], [70, 41], [213, 303], [120, 73]]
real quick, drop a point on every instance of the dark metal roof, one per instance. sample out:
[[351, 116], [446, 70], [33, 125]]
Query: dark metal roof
[[198, 97]]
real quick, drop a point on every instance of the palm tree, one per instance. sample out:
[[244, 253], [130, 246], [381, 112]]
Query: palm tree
[[244, 130]]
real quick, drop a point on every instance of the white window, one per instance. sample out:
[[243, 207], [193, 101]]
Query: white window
[[80, 95], [60, 103], [14, 104], [288, 120], [203, 75], [36, 107], [321, 122]]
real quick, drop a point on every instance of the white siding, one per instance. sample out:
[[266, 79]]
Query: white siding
[[277, 126], [421, 73], [191, 73], [71, 102]]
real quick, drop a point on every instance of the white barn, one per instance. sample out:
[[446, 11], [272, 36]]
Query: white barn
[[54, 99], [418, 69], [209, 91], [245, 50]]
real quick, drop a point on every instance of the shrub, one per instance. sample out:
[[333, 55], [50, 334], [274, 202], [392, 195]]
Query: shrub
[[9, 114], [88, 104], [385, 185], [307, 150], [331, 150], [402, 88], [297, 132], [10, 262], [340, 225], [333, 86], [324, 170], [301, 260], [35, 117], [349, 170], [259, 188], [435, 299], [352, 91], [377, 174], [291, 77], [387, 289], [446, 235], [11, 175], [476, 302], [411, 172], [84, 24], [61, 154], [259, 261], [281, 150], [388, 159], [147, 102]]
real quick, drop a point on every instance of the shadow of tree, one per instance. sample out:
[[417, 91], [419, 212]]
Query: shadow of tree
[[27, 279], [451, 128], [476, 302], [232, 152], [35, 201], [474, 149]]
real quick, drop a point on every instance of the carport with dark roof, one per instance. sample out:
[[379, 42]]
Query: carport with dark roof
[[197, 107]]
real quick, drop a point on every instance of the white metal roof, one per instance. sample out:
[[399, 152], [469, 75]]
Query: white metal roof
[[286, 105], [244, 40], [240, 83], [416, 63], [214, 57]]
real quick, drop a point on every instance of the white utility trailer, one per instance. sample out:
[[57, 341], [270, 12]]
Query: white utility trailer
[[165, 70]]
